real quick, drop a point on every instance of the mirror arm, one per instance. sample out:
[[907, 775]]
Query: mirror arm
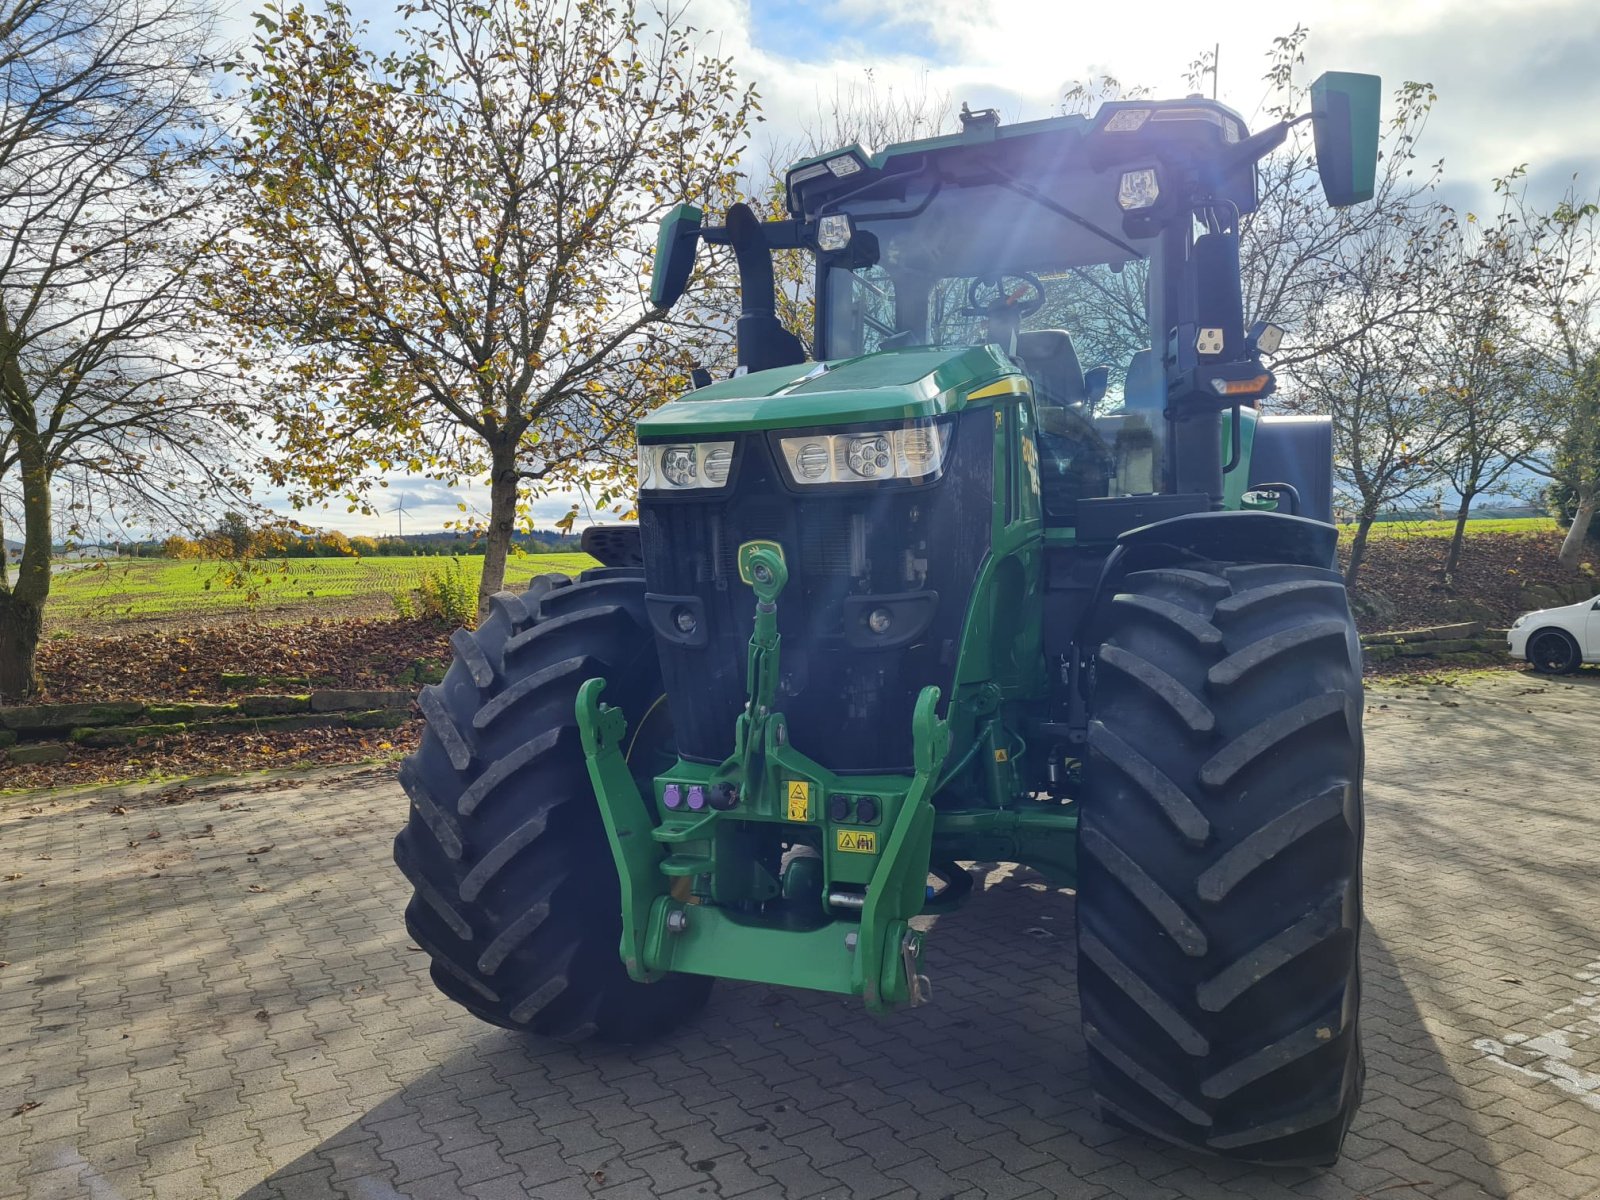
[[1258, 145]]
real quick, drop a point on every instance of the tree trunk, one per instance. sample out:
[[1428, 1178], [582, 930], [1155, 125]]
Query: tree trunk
[[1452, 559], [1358, 548], [22, 605], [1572, 546], [502, 520], [20, 623]]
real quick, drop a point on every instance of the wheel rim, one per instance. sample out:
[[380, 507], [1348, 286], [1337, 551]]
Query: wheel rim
[[1551, 652]]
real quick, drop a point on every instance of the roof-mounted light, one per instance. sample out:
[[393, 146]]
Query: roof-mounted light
[[834, 232], [844, 164], [1127, 120], [1138, 189]]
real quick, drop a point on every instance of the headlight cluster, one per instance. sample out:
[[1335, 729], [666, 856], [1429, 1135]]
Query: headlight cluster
[[683, 466], [1520, 621], [913, 453]]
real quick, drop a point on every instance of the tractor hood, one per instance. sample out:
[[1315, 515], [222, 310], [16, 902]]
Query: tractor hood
[[892, 385]]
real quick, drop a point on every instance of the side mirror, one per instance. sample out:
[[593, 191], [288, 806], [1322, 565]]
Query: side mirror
[[675, 250], [1344, 122], [1095, 382]]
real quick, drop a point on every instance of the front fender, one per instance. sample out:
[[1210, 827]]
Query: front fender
[[1242, 536]]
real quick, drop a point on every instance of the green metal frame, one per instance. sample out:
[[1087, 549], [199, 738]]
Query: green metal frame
[[687, 884]]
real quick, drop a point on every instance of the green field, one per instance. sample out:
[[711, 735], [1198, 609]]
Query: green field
[[168, 592], [141, 590], [1444, 529]]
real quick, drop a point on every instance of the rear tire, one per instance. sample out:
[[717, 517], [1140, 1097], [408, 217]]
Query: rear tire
[[1219, 898], [516, 895], [1554, 652]]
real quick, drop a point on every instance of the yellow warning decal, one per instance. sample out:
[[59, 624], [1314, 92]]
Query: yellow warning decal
[[1002, 755], [857, 841], [799, 800], [1014, 386]]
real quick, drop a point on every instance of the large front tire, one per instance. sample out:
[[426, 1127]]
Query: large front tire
[[516, 897], [1219, 901]]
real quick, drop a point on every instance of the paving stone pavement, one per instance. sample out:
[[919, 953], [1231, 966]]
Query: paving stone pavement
[[210, 994]]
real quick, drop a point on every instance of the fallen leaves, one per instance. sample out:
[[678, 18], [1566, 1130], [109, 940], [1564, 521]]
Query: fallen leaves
[[27, 1106], [188, 666], [1489, 583], [260, 849], [255, 887]]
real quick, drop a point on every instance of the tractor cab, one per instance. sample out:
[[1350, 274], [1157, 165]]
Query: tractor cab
[[1099, 255]]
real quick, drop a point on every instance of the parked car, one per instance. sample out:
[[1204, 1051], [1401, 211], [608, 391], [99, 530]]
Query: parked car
[[1558, 640]]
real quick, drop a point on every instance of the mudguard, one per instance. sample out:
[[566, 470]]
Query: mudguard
[[1241, 537], [1299, 451], [613, 545]]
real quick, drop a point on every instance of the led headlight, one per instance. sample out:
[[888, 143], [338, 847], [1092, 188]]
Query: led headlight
[[1138, 189], [844, 164], [911, 453], [833, 232], [868, 456], [718, 463], [684, 466]]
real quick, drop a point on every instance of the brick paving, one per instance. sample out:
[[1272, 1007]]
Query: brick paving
[[181, 1017]]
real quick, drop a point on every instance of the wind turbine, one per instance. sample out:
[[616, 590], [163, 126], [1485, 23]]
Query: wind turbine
[[399, 511]]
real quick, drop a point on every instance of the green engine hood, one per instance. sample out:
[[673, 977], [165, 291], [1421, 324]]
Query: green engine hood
[[892, 385]]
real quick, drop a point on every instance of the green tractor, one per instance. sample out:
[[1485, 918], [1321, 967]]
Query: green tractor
[[935, 594]]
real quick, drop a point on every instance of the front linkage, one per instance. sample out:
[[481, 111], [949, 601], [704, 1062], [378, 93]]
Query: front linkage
[[691, 893]]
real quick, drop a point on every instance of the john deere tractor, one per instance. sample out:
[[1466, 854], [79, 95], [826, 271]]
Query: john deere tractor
[[927, 592]]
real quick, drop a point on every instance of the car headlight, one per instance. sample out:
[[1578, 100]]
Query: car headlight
[[1520, 621], [913, 452], [684, 466]]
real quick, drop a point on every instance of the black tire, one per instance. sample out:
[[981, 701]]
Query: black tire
[[1554, 652], [516, 898], [1219, 894]]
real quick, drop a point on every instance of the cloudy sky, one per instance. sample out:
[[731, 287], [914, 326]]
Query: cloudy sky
[[1516, 79]]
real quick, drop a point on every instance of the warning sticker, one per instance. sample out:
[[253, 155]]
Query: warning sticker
[[857, 841], [799, 800]]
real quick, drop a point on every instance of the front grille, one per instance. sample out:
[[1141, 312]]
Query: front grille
[[848, 707]]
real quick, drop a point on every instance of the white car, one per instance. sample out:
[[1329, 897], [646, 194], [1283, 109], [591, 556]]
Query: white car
[[1558, 640]]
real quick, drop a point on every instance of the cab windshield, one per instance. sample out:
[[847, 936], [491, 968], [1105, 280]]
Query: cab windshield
[[1061, 294]]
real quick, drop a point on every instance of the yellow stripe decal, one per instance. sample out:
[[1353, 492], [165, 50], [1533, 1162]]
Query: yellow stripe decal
[[1013, 386]]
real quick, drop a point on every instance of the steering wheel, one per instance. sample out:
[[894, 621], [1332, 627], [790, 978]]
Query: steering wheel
[[1023, 299]]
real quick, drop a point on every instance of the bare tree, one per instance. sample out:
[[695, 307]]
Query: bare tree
[[1479, 367], [103, 370], [1561, 295], [1370, 374]]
